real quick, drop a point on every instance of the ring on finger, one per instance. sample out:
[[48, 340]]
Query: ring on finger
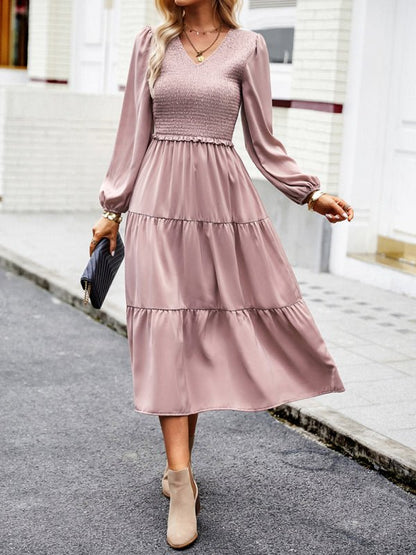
[[93, 242]]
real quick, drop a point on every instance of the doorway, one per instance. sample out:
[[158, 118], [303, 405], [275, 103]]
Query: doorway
[[14, 33]]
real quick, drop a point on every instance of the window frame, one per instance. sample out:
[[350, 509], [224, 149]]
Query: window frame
[[280, 73]]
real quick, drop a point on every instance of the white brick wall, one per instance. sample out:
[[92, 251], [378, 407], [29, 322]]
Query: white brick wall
[[315, 140], [133, 16], [312, 138], [50, 39], [321, 47], [320, 63], [57, 147], [320, 58], [280, 121]]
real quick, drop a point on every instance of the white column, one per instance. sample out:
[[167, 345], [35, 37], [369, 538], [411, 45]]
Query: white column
[[365, 107], [49, 49]]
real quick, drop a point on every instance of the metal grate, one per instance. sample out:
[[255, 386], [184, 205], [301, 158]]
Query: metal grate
[[256, 4]]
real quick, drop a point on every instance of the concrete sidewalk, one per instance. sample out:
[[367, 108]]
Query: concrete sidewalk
[[370, 332]]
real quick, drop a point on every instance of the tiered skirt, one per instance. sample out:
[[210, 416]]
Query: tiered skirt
[[215, 316]]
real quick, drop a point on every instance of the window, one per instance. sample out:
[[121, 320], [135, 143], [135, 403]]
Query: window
[[279, 42], [275, 20], [14, 32]]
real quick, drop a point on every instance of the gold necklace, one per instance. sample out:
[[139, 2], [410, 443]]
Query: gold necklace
[[203, 32], [199, 53]]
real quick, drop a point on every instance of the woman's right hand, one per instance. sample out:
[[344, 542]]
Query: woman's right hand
[[104, 228]]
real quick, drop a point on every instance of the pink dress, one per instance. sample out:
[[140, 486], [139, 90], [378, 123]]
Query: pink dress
[[215, 316]]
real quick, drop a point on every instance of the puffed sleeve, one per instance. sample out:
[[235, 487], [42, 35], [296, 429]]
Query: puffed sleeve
[[266, 151], [134, 130]]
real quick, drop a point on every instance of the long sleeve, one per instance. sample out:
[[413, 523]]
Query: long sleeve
[[134, 130], [266, 151]]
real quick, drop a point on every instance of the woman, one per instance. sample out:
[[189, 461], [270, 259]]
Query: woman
[[215, 317]]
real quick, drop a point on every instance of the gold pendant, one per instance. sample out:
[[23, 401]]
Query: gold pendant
[[200, 57]]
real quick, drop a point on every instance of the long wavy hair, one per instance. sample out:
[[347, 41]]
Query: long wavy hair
[[224, 10]]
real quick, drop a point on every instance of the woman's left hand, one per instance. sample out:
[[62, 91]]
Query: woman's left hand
[[334, 208]]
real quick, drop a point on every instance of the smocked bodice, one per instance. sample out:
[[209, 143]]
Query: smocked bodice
[[195, 104], [194, 100]]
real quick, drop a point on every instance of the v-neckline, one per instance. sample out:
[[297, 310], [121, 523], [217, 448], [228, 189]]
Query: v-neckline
[[185, 53]]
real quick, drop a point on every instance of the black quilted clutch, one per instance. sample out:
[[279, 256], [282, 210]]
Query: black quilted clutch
[[101, 270]]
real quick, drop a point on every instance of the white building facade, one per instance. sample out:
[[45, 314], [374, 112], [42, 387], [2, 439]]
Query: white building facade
[[344, 97]]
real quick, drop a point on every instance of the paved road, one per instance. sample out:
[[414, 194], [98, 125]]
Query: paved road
[[80, 470]]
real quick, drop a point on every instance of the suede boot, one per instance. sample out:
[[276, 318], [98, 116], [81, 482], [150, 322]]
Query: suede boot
[[183, 508], [165, 483]]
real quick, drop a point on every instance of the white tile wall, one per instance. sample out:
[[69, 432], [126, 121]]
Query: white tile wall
[[320, 63], [50, 24], [321, 47], [312, 138], [132, 19], [57, 147], [315, 140]]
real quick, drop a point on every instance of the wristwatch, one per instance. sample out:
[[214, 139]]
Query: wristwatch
[[314, 197]]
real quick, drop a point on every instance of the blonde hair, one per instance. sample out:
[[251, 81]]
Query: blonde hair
[[224, 10]]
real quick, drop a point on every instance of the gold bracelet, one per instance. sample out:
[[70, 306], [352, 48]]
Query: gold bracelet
[[112, 216], [313, 198]]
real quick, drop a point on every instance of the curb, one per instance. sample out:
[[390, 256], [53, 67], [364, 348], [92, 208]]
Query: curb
[[59, 288], [387, 456]]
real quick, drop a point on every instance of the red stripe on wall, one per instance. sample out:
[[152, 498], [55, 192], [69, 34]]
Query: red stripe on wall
[[308, 105], [58, 81]]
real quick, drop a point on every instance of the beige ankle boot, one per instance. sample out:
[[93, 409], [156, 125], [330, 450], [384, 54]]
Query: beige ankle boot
[[165, 483], [183, 508]]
